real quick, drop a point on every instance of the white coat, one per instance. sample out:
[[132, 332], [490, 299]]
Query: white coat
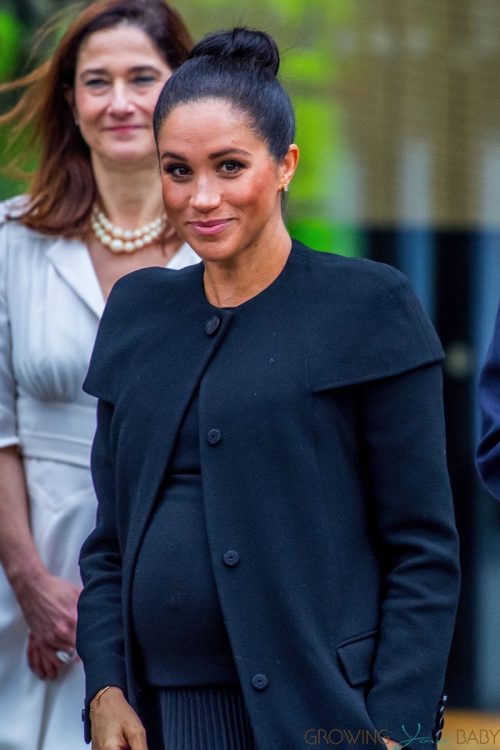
[[50, 305]]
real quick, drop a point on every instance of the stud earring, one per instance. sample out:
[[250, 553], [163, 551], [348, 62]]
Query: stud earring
[[283, 188]]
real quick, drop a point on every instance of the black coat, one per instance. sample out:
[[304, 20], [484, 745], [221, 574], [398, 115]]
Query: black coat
[[328, 506]]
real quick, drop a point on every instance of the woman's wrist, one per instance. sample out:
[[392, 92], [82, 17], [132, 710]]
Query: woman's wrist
[[27, 577], [97, 696], [95, 701]]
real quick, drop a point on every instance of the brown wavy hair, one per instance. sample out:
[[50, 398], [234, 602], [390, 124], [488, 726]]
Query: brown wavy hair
[[62, 189]]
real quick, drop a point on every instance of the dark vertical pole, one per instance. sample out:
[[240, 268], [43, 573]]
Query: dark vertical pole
[[453, 320], [381, 245]]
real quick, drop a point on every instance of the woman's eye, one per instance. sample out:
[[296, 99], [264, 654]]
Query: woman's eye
[[177, 171], [95, 83], [230, 166], [144, 80]]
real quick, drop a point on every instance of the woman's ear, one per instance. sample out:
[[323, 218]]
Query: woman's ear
[[288, 166]]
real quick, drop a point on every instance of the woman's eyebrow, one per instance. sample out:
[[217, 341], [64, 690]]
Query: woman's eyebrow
[[171, 155], [215, 155], [134, 69], [226, 151], [93, 72]]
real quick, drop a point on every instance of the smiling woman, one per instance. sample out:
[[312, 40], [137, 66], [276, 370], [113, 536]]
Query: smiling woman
[[273, 531], [93, 212], [221, 187], [225, 162], [114, 96]]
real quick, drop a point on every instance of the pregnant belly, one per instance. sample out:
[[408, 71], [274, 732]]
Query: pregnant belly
[[175, 606]]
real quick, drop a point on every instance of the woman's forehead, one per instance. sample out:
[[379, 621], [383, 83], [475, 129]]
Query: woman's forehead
[[208, 127], [203, 115], [124, 42]]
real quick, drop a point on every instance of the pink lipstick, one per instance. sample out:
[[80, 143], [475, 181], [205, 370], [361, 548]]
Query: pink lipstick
[[209, 228]]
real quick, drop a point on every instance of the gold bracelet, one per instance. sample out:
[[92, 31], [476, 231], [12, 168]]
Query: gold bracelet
[[98, 695]]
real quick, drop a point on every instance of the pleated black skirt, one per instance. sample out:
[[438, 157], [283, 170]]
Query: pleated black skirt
[[197, 718]]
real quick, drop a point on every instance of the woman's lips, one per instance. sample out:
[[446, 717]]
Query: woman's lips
[[207, 228], [123, 128]]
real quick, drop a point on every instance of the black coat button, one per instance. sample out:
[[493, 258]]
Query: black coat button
[[214, 436], [231, 558], [212, 325], [259, 682]]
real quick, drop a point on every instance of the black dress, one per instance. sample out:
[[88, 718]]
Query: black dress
[[194, 701]]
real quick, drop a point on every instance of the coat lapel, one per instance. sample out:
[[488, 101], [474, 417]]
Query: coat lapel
[[71, 260]]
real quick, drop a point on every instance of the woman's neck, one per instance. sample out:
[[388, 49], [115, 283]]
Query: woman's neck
[[129, 197], [231, 283]]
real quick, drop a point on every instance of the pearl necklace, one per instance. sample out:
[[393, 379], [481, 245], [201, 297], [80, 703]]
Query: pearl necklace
[[120, 240]]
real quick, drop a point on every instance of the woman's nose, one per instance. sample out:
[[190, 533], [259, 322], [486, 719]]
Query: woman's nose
[[120, 103], [205, 196]]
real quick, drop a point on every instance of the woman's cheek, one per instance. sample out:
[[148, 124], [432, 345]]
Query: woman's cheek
[[170, 194]]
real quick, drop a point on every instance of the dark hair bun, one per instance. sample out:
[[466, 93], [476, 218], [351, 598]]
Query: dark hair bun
[[255, 48]]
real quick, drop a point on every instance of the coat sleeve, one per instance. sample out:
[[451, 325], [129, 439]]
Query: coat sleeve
[[403, 427], [100, 635], [100, 640], [100, 631], [488, 452]]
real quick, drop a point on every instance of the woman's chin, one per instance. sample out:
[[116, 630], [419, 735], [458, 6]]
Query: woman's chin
[[127, 157]]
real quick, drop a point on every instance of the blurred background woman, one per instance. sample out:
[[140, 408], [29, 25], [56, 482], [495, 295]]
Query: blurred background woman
[[93, 212]]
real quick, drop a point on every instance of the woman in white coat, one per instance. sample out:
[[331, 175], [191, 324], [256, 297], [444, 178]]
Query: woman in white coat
[[92, 214]]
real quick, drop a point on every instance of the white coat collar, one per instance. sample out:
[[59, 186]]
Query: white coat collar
[[72, 261], [185, 256]]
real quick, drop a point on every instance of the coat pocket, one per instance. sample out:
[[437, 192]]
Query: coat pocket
[[356, 657]]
